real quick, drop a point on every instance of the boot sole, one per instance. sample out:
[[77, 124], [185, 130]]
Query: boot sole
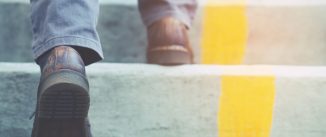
[[169, 58], [63, 105]]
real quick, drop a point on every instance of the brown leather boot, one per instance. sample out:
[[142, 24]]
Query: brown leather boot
[[63, 99], [168, 43]]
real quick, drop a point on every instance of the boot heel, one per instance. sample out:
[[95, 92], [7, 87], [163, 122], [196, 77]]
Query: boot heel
[[169, 58], [64, 95]]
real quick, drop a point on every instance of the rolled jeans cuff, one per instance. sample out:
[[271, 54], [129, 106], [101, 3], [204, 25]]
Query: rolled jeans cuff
[[89, 49]]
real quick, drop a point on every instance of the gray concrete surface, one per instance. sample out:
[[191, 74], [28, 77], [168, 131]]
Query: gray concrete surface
[[287, 35], [147, 100], [300, 107], [127, 100]]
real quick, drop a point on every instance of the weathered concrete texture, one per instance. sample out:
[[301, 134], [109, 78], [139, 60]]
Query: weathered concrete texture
[[146, 103], [147, 100], [300, 107], [17, 97], [287, 35], [127, 100], [123, 36], [15, 32]]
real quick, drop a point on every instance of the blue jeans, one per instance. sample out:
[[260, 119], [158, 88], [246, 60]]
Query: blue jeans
[[73, 23]]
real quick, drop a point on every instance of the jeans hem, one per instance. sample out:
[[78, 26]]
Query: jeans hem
[[149, 20], [78, 41]]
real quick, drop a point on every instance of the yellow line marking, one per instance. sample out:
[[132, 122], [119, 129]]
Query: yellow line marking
[[246, 106], [224, 33]]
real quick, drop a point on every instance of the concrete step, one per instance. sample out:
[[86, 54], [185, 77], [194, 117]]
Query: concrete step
[[290, 32], [185, 101]]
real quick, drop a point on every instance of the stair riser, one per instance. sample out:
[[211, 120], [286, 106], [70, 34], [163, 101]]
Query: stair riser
[[188, 101], [266, 34]]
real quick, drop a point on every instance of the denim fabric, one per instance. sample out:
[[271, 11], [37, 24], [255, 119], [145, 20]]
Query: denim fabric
[[65, 22], [73, 23]]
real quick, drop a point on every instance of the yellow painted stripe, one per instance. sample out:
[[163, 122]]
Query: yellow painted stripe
[[246, 106], [224, 34]]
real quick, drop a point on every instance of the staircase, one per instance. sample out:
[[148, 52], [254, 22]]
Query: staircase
[[260, 72]]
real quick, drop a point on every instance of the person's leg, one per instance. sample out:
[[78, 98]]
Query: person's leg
[[66, 22], [167, 23], [64, 41]]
